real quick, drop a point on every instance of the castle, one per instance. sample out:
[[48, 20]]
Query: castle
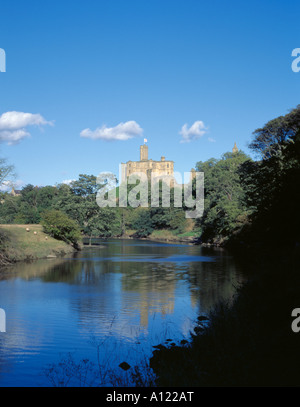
[[153, 168], [147, 166]]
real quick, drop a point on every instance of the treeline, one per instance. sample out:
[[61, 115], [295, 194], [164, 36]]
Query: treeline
[[78, 202], [247, 202], [256, 203]]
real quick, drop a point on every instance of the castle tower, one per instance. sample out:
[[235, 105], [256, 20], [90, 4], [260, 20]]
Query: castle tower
[[146, 166], [235, 149], [144, 153]]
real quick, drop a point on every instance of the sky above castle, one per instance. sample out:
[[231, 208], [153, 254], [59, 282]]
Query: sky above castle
[[87, 81]]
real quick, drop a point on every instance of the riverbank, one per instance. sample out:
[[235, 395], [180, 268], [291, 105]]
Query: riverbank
[[247, 343], [169, 236], [164, 236], [29, 242]]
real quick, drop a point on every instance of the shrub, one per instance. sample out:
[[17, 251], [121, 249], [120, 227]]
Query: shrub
[[143, 223], [58, 225]]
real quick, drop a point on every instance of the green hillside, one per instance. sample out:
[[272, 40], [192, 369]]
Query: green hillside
[[29, 242]]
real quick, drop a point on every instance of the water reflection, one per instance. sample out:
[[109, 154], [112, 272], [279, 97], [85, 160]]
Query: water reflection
[[134, 293]]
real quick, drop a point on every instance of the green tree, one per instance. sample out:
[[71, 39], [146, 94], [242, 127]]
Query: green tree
[[27, 213], [29, 194], [272, 139], [78, 206], [58, 225], [46, 197], [86, 185], [142, 223], [224, 196], [9, 208], [271, 184], [105, 222], [78, 201]]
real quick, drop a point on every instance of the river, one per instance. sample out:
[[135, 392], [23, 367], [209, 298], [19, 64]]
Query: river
[[108, 304]]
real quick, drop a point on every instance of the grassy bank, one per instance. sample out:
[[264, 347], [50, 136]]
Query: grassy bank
[[18, 244], [162, 235], [171, 236]]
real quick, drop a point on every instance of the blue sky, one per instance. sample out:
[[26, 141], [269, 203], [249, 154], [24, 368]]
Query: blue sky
[[213, 71]]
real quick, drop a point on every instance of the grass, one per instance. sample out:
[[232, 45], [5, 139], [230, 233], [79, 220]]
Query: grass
[[18, 244], [169, 235]]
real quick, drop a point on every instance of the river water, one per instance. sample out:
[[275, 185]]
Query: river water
[[108, 304]]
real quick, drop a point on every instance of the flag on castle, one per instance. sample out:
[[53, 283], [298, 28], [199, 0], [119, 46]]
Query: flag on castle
[[145, 140]]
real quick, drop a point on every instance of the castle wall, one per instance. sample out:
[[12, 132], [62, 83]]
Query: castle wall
[[146, 166]]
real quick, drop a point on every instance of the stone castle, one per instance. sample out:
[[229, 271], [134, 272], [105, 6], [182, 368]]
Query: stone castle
[[151, 167], [148, 166]]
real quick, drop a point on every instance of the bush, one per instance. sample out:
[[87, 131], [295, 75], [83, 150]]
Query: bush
[[58, 225], [4, 244], [142, 223]]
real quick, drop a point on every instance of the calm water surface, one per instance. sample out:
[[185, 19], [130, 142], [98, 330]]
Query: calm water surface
[[120, 298]]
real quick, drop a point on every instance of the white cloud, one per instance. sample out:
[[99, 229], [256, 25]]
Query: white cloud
[[7, 185], [68, 181], [13, 125], [211, 140], [196, 131], [123, 131]]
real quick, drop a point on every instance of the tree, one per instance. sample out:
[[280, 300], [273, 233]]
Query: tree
[[78, 201], [45, 197], [27, 213], [161, 217], [58, 225], [224, 197], [105, 222], [6, 171], [271, 184], [272, 139], [9, 208], [142, 223], [29, 195], [86, 185]]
